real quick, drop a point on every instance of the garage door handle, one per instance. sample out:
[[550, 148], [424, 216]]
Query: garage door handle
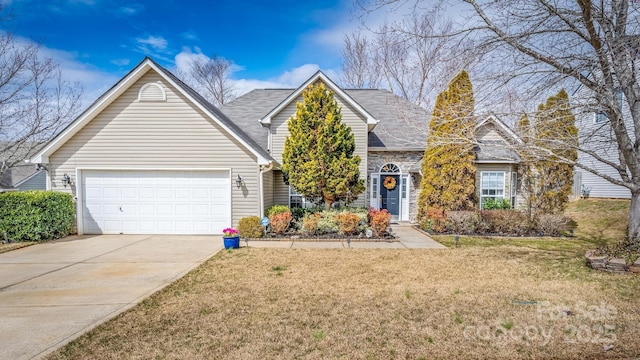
[[121, 209]]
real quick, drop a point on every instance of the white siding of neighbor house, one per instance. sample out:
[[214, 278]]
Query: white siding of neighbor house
[[599, 138], [161, 135], [350, 117]]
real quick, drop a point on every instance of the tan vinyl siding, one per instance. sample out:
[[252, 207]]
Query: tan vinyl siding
[[171, 134], [488, 132], [350, 117], [267, 183], [280, 189], [507, 169]]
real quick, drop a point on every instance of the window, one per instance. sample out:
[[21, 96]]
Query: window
[[600, 117], [374, 187], [295, 200], [404, 187], [491, 186]]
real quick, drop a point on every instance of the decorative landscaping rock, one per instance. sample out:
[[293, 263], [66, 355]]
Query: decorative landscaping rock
[[601, 262], [617, 264]]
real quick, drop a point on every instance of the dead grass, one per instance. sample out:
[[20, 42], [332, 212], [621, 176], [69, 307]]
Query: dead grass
[[456, 303], [517, 298]]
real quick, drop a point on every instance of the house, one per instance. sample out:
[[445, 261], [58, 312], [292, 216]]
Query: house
[[596, 135], [23, 177], [151, 156]]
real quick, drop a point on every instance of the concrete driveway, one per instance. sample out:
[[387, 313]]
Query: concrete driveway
[[93, 278]]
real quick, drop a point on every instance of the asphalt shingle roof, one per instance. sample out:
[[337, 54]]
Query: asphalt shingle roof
[[402, 125]]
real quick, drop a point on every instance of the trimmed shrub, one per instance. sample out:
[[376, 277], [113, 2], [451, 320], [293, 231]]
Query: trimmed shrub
[[463, 222], [496, 204], [310, 223], [379, 221], [280, 222], [327, 223], [348, 223], [553, 224], [250, 227], [36, 215], [434, 220], [277, 209], [506, 222]]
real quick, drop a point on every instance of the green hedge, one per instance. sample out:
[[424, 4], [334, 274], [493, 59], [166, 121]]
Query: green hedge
[[36, 215]]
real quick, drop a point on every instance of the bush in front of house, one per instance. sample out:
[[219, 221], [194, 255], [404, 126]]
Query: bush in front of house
[[348, 222], [277, 209], [280, 222], [379, 221], [36, 215], [464, 222], [505, 222], [496, 204], [250, 227], [310, 223], [553, 224]]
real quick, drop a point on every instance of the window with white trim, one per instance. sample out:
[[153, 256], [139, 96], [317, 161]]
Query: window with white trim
[[491, 186], [374, 187], [295, 200]]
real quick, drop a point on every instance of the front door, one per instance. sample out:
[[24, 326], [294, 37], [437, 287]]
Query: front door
[[390, 194]]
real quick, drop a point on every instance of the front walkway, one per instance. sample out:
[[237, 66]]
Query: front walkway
[[407, 236]]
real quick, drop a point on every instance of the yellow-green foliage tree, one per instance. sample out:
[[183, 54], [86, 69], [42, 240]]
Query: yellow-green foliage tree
[[448, 169], [318, 158], [526, 172], [555, 141]]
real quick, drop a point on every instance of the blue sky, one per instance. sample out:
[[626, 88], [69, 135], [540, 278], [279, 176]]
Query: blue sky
[[272, 43]]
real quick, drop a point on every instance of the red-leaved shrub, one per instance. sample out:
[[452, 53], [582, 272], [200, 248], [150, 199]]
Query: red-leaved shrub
[[348, 223], [280, 222], [379, 221]]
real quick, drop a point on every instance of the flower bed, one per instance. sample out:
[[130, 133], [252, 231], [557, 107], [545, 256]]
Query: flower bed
[[318, 224]]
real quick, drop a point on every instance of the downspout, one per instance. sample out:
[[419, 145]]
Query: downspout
[[262, 172]]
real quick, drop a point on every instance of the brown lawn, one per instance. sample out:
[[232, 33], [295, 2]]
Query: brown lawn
[[529, 298]]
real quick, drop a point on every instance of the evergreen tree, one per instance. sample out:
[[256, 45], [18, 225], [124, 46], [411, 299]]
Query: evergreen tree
[[448, 168], [526, 172], [318, 158], [557, 137]]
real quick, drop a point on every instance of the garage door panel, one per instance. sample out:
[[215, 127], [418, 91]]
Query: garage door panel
[[156, 202]]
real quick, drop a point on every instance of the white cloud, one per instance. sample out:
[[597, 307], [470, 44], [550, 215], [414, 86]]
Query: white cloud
[[130, 9], [152, 43], [292, 78], [121, 62]]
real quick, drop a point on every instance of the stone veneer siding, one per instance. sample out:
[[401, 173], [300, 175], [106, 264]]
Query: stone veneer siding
[[404, 160]]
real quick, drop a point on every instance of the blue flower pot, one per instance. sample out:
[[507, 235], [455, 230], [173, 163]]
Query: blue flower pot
[[231, 242]]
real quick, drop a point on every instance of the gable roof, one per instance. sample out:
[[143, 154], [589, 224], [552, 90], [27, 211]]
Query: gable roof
[[319, 75], [492, 119], [124, 84], [490, 151], [401, 124]]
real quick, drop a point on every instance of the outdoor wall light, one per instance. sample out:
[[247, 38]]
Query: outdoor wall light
[[239, 181], [66, 180]]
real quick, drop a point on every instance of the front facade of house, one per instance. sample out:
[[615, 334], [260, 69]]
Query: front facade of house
[[151, 156]]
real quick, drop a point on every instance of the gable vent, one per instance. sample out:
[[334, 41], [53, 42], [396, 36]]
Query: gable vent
[[152, 92]]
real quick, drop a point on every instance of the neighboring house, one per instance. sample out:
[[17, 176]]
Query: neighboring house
[[23, 177], [151, 156], [595, 134]]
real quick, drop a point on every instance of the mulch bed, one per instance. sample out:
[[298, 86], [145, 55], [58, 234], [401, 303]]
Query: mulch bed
[[325, 237]]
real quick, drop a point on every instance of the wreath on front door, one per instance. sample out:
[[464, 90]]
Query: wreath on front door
[[390, 183]]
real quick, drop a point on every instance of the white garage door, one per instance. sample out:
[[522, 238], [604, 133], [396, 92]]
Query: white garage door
[[155, 202]]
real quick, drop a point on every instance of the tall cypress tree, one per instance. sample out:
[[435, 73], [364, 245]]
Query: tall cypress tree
[[448, 168], [556, 138], [318, 158]]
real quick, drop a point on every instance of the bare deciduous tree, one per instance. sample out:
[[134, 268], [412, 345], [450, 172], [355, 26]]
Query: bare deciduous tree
[[539, 46], [35, 103], [211, 77], [411, 57]]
